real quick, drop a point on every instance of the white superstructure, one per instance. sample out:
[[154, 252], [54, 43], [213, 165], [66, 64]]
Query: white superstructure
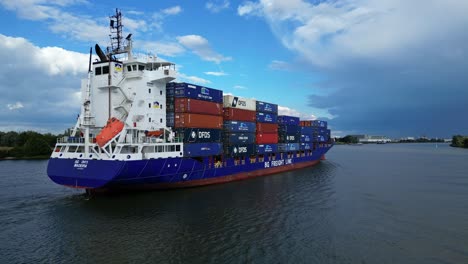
[[130, 90]]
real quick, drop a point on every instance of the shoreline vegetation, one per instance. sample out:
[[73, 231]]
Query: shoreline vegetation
[[459, 141], [26, 145]]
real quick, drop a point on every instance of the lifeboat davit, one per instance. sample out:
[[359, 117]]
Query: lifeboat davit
[[112, 129]]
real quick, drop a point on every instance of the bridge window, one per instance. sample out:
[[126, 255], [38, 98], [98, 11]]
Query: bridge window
[[134, 67], [98, 70], [105, 70], [129, 68], [141, 67]]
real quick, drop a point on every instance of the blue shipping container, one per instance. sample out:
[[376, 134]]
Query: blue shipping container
[[240, 126], [267, 118], [198, 92], [308, 130], [238, 138], [170, 119], [319, 123], [239, 150], [320, 138], [306, 138], [284, 147], [266, 148], [288, 120], [289, 137], [266, 107], [199, 135], [305, 146], [202, 149], [289, 129]]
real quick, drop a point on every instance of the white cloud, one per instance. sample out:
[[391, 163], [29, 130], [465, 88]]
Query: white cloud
[[15, 106], [239, 87], [217, 6], [169, 49], [192, 79], [201, 47], [283, 110], [280, 65], [216, 73], [172, 10], [45, 79], [248, 8]]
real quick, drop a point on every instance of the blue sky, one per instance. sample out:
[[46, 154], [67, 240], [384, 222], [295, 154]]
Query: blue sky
[[396, 68]]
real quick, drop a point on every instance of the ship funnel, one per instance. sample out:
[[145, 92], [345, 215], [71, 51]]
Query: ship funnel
[[101, 54]]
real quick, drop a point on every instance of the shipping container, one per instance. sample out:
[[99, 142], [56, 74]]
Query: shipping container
[[285, 147], [170, 91], [305, 146], [202, 149], [267, 128], [266, 148], [289, 129], [267, 138], [306, 138], [320, 138], [239, 102], [199, 135], [289, 137], [267, 118], [239, 114], [244, 150], [170, 119], [198, 92], [319, 123], [182, 120], [187, 105], [238, 138], [239, 126], [308, 130], [288, 120], [305, 123], [266, 107]]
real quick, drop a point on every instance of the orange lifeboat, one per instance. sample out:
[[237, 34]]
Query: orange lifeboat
[[156, 133], [112, 128]]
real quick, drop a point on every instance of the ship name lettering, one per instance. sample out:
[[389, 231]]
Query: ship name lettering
[[288, 161], [276, 163]]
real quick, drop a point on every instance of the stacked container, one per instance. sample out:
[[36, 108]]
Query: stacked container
[[289, 133], [239, 126], [198, 119], [314, 131], [267, 128]]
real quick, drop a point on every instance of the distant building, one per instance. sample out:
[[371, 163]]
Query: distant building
[[372, 139]]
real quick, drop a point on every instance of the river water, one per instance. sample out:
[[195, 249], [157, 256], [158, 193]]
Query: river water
[[393, 203]]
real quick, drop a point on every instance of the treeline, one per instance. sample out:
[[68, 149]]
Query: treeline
[[460, 141], [28, 144], [347, 140]]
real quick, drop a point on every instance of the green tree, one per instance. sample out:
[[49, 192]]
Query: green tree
[[36, 146], [350, 139]]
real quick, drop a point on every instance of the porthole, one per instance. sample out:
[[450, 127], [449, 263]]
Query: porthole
[[128, 156]]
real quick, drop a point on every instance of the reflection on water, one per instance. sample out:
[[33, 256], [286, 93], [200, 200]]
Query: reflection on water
[[369, 204]]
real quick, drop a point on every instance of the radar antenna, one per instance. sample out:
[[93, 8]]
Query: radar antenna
[[116, 37]]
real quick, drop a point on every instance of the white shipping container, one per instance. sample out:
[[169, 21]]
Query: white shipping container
[[239, 102]]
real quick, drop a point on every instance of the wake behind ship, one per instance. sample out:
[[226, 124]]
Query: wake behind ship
[[140, 130]]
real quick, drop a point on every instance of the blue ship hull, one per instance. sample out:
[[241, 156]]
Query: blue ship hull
[[109, 175]]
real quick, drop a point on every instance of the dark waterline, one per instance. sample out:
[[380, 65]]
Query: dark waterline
[[394, 203]]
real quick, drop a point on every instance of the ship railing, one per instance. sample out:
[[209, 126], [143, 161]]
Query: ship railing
[[73, 140]]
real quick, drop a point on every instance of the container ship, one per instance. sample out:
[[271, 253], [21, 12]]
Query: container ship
[[138, 129]]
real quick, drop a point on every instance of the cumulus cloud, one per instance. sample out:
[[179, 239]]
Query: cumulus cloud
[[201, 47], [46, 81], [216, 73], [280, 65], [169, 49], [386, 67], [192, 79], [172, 10], [283, 110], [15, 106], [217, 6]]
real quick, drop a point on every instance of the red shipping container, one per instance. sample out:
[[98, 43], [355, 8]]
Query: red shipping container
[[305, 123], [182, 120], [267, 128], [239, 114], [187, 105], [267, 138]]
